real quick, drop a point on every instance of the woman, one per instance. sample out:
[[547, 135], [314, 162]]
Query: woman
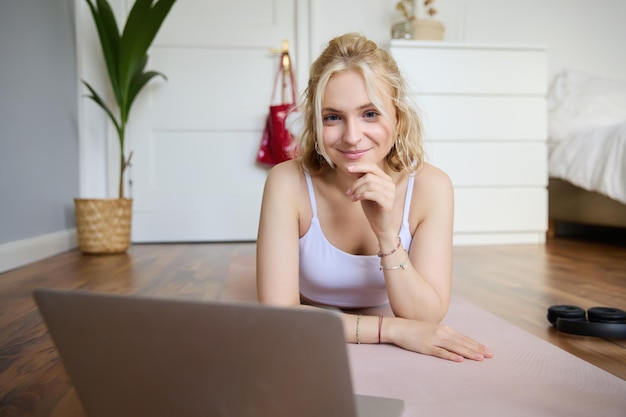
[[359, 219]]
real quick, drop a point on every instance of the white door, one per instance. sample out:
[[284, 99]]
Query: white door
[[195, 136]]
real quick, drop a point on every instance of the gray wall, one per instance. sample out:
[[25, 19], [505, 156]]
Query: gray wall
[[38, 118]]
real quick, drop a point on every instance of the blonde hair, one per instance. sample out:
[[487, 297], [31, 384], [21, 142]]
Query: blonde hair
[[353, 52]]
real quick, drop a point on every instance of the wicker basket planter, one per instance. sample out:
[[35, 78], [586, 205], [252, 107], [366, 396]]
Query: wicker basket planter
[[103, 225]]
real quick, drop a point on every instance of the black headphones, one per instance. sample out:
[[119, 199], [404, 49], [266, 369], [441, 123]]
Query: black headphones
[[605, 322]]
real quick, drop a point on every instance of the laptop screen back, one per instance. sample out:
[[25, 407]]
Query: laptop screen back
[[132, 356]]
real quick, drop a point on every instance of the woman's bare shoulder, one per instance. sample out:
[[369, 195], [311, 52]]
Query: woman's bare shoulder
[[430, 177], [286, 194], [289, 174], [286, 183]]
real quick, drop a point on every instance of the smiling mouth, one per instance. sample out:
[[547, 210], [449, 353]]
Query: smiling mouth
[[354, 154]]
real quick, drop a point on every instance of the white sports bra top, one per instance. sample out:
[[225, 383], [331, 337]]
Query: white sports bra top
[[336, 278]]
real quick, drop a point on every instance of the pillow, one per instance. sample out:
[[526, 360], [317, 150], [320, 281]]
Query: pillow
[[577, 100]]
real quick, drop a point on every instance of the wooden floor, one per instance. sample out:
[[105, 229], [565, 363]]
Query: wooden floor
[[517, 283]]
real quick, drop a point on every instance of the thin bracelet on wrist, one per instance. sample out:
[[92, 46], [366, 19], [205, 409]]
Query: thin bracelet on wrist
[[403, 265], [382, 255]]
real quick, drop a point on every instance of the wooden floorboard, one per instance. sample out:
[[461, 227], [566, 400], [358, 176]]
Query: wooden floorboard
[[516, 283], [519, 283]]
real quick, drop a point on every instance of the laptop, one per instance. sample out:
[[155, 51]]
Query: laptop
[[140, 356]]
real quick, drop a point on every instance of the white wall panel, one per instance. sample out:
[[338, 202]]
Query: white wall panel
[[450, 68], [579, 34], [483, 117], [491, 164], [234, 96], [218, 188], [194, 23], [500, 210]]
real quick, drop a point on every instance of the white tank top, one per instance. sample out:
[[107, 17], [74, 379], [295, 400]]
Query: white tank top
[[333, 277]]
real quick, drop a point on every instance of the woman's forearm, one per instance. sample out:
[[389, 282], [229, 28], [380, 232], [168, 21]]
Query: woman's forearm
[[410, 294]]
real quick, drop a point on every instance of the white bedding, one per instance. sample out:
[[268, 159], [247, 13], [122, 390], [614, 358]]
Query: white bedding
[[587, 133], [593, 159]]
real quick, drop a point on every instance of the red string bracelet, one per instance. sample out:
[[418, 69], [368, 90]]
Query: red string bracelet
[[380, 326]]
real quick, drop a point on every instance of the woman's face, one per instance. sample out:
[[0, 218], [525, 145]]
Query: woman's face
[[354, 129]]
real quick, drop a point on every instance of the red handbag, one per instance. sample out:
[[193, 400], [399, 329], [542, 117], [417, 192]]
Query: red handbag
[[277, 144]]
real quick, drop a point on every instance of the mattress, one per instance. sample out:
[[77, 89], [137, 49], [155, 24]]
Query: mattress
[[587, 132]]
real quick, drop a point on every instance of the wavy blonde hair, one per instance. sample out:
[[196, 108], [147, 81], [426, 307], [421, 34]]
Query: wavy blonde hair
[[354, 52]]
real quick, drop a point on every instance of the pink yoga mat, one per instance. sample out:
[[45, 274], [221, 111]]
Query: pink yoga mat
[[528, 377]]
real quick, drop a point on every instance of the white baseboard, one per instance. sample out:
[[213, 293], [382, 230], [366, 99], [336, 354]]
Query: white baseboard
[[22, 252]]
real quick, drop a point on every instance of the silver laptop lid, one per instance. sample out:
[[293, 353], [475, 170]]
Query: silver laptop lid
[[134, 356]]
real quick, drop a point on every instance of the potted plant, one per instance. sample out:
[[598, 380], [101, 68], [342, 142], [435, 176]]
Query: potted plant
[[104, 225], [420, 25]]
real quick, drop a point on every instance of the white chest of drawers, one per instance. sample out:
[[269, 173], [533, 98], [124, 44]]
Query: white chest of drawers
[[485, 120]]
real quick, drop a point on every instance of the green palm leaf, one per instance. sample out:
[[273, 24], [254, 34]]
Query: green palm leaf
[[142, 25], [126, 56], [95, 97], [139, 82], [109, 36]]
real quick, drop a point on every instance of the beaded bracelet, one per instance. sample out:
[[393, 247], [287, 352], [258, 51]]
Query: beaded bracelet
[[403, 265], [382, 255], [358, 319]]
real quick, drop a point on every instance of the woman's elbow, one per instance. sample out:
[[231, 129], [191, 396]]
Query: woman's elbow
[[432, 315]]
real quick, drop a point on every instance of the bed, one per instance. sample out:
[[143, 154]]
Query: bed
[[587, 151]]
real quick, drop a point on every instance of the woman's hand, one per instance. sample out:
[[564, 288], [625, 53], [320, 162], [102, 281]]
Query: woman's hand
[[376, 191], [433, 339]]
